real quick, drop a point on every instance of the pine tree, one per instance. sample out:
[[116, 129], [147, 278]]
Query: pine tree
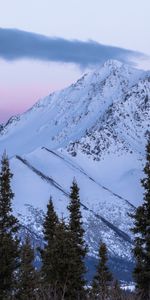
[[142, 236], [50, 225], [103, 279], [9, 226], [77, 231], [27, 274]]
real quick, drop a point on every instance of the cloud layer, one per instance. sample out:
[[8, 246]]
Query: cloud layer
[[16, 44]]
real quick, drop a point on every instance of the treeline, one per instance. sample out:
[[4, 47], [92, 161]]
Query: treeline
[[62, 272]]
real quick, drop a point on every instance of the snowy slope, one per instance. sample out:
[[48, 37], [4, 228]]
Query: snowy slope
[[61, 172], [117, 141], [94, 130], [47, 173], [66, 115]]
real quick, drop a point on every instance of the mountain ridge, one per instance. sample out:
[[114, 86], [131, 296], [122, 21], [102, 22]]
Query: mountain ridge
[[81, 104]]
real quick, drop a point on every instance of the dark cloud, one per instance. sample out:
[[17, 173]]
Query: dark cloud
[[16, 44]]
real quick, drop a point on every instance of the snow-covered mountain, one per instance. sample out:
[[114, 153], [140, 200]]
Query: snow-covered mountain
[[94, 130]]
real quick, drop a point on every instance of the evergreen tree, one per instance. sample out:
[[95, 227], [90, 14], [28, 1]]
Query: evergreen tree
[[102, 281], [58, 257], [27, 273], [9, 226], [64, 262], [142, 236], [77, 232], [50, 225]]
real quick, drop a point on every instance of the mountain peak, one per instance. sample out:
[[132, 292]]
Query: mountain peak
[[113, 62], [66, 115]]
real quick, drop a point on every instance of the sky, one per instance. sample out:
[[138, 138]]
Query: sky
[[46, 45]]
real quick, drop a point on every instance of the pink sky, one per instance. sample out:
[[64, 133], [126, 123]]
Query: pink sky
[[21, 86]]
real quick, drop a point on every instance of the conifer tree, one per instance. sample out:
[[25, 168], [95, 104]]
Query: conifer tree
[[27, 274], [142, 236], [9, 226], [50, 225], [77, 231], [58, 257], [102, 280], [64, 262]]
